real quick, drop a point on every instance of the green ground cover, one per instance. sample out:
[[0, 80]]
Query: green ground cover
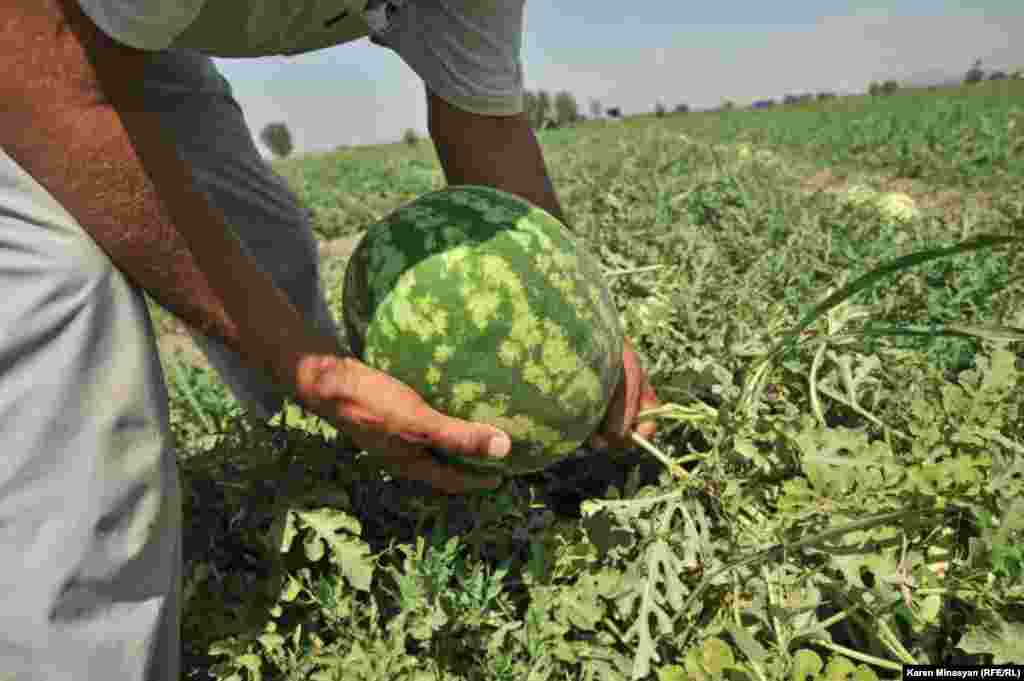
[[831, 508]]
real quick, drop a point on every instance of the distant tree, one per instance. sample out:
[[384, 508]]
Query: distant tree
[[543, 107], [728, 105], [1018, 74], [277, 138], [822, 96], [997, 75], [530, 107], [659, 110], [567, 111], [886, 88], [682, 108], [410, 137], [595, 108], [538, 108], [614, 112], [975, 74]]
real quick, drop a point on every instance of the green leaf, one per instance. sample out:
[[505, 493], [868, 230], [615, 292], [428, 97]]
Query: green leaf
[[582, 606], [661, 567], [806, 664], [754, 651], [337, 530], [708, 662], [1008, 561], [930, 607], [672, 672], [291, 590], [839, 669], [272, 641], [864, 673], [716, 656], [1003, 640]]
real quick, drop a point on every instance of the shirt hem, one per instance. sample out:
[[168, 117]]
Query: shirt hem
[[484, 105]]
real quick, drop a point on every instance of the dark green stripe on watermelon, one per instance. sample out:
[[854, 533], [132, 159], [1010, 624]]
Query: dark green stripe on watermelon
[[488, 307]]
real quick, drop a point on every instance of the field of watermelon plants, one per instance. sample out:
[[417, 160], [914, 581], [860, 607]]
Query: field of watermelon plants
[[837, 485]]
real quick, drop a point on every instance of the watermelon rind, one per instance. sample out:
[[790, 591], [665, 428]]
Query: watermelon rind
[[493, 312]]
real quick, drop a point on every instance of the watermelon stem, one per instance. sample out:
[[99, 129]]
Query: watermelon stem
[[673, 467]]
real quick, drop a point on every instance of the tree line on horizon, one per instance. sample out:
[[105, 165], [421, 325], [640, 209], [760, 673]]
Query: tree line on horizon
[[547, 111]]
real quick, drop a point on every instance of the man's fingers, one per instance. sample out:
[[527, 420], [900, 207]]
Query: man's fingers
[[648, 400], [633, 395], [399, 410], [429, 427]]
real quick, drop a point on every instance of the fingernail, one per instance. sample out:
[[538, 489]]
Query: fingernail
[[499, 446]]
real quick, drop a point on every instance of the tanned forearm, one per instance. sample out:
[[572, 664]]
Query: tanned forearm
[[76, 124], [495, 151]]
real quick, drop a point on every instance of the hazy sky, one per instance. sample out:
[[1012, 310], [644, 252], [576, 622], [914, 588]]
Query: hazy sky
[[632, 54]]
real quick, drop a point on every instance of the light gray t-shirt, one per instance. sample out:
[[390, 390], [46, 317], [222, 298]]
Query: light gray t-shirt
[[466, 51]]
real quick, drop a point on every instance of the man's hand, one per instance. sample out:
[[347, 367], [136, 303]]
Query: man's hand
[[391, 421], [633, 396]]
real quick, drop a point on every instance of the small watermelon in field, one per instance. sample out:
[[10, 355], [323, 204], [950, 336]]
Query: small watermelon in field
[[493, 312]]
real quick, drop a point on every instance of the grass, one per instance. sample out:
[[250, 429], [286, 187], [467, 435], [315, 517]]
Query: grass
[[970, 136], [835, 486]]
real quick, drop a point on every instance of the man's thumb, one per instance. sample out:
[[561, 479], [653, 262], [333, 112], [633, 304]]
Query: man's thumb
[[458, 436]]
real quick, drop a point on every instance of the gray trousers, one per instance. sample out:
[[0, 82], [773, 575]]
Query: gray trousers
[[90, 503]]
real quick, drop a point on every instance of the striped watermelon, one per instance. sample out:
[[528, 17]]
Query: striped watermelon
[[491, 310]]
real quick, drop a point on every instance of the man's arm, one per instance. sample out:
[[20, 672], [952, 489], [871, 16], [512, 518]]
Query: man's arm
[[496, 151], [73, 118]]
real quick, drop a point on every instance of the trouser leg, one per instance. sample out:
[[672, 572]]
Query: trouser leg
[[90, 504]]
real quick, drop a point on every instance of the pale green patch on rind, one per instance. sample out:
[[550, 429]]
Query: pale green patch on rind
[[466, 392], [510, 353], [387, 327], [482, 307], [535, 375], [584, 389], [443, 352], [423, 316], [452, 259], [518, 426]]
